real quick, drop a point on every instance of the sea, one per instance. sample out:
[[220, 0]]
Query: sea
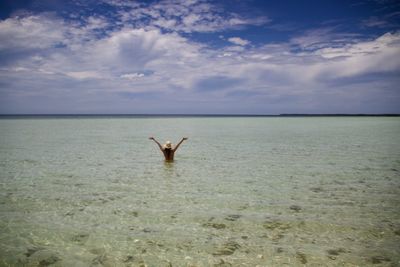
[[242, 191]]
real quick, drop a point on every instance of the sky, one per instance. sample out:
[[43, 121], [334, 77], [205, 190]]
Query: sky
[[199, 57]]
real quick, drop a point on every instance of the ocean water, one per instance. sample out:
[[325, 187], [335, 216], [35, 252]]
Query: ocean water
[[253, 191]]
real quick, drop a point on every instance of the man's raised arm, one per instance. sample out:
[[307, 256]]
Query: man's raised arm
[[183, 139], [159, 145]]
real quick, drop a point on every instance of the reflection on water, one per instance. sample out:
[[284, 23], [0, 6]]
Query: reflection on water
[[263, 191]]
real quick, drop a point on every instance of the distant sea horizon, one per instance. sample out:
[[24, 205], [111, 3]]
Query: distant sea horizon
[[193, 115]]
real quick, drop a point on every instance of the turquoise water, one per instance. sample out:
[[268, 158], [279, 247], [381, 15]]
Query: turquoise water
[[272, 191]]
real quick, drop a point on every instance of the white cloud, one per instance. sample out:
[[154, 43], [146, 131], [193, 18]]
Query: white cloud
[[190, 19], [94, 23], [374, 22], [323, 37], [235, 48], [238, 41], [132, 76], [390, 20], [183, 16], [81, 75], [71, 62], [137, 49], [379, 55], [32, 32]]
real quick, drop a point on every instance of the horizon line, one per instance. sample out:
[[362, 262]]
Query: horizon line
[[199, 114]]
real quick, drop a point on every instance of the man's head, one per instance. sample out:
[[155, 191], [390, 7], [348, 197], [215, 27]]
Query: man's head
[[168, 145]]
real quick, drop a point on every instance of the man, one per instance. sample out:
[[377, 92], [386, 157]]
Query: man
[[167, 149]]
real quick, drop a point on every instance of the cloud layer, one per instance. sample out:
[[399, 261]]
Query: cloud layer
[[145, 62]]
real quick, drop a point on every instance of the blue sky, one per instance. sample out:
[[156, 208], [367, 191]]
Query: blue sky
[[199, 56]]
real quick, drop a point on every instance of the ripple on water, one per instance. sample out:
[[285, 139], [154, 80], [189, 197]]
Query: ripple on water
[[299, 192]]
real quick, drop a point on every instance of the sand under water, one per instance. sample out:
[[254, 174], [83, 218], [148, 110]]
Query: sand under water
[[242, 192]]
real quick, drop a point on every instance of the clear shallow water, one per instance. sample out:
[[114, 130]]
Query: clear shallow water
[[242, 192]]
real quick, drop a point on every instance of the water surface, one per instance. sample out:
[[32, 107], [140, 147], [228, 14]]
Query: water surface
[[267, 191]]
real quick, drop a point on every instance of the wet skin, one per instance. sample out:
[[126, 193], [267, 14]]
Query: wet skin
[[168, 152]]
